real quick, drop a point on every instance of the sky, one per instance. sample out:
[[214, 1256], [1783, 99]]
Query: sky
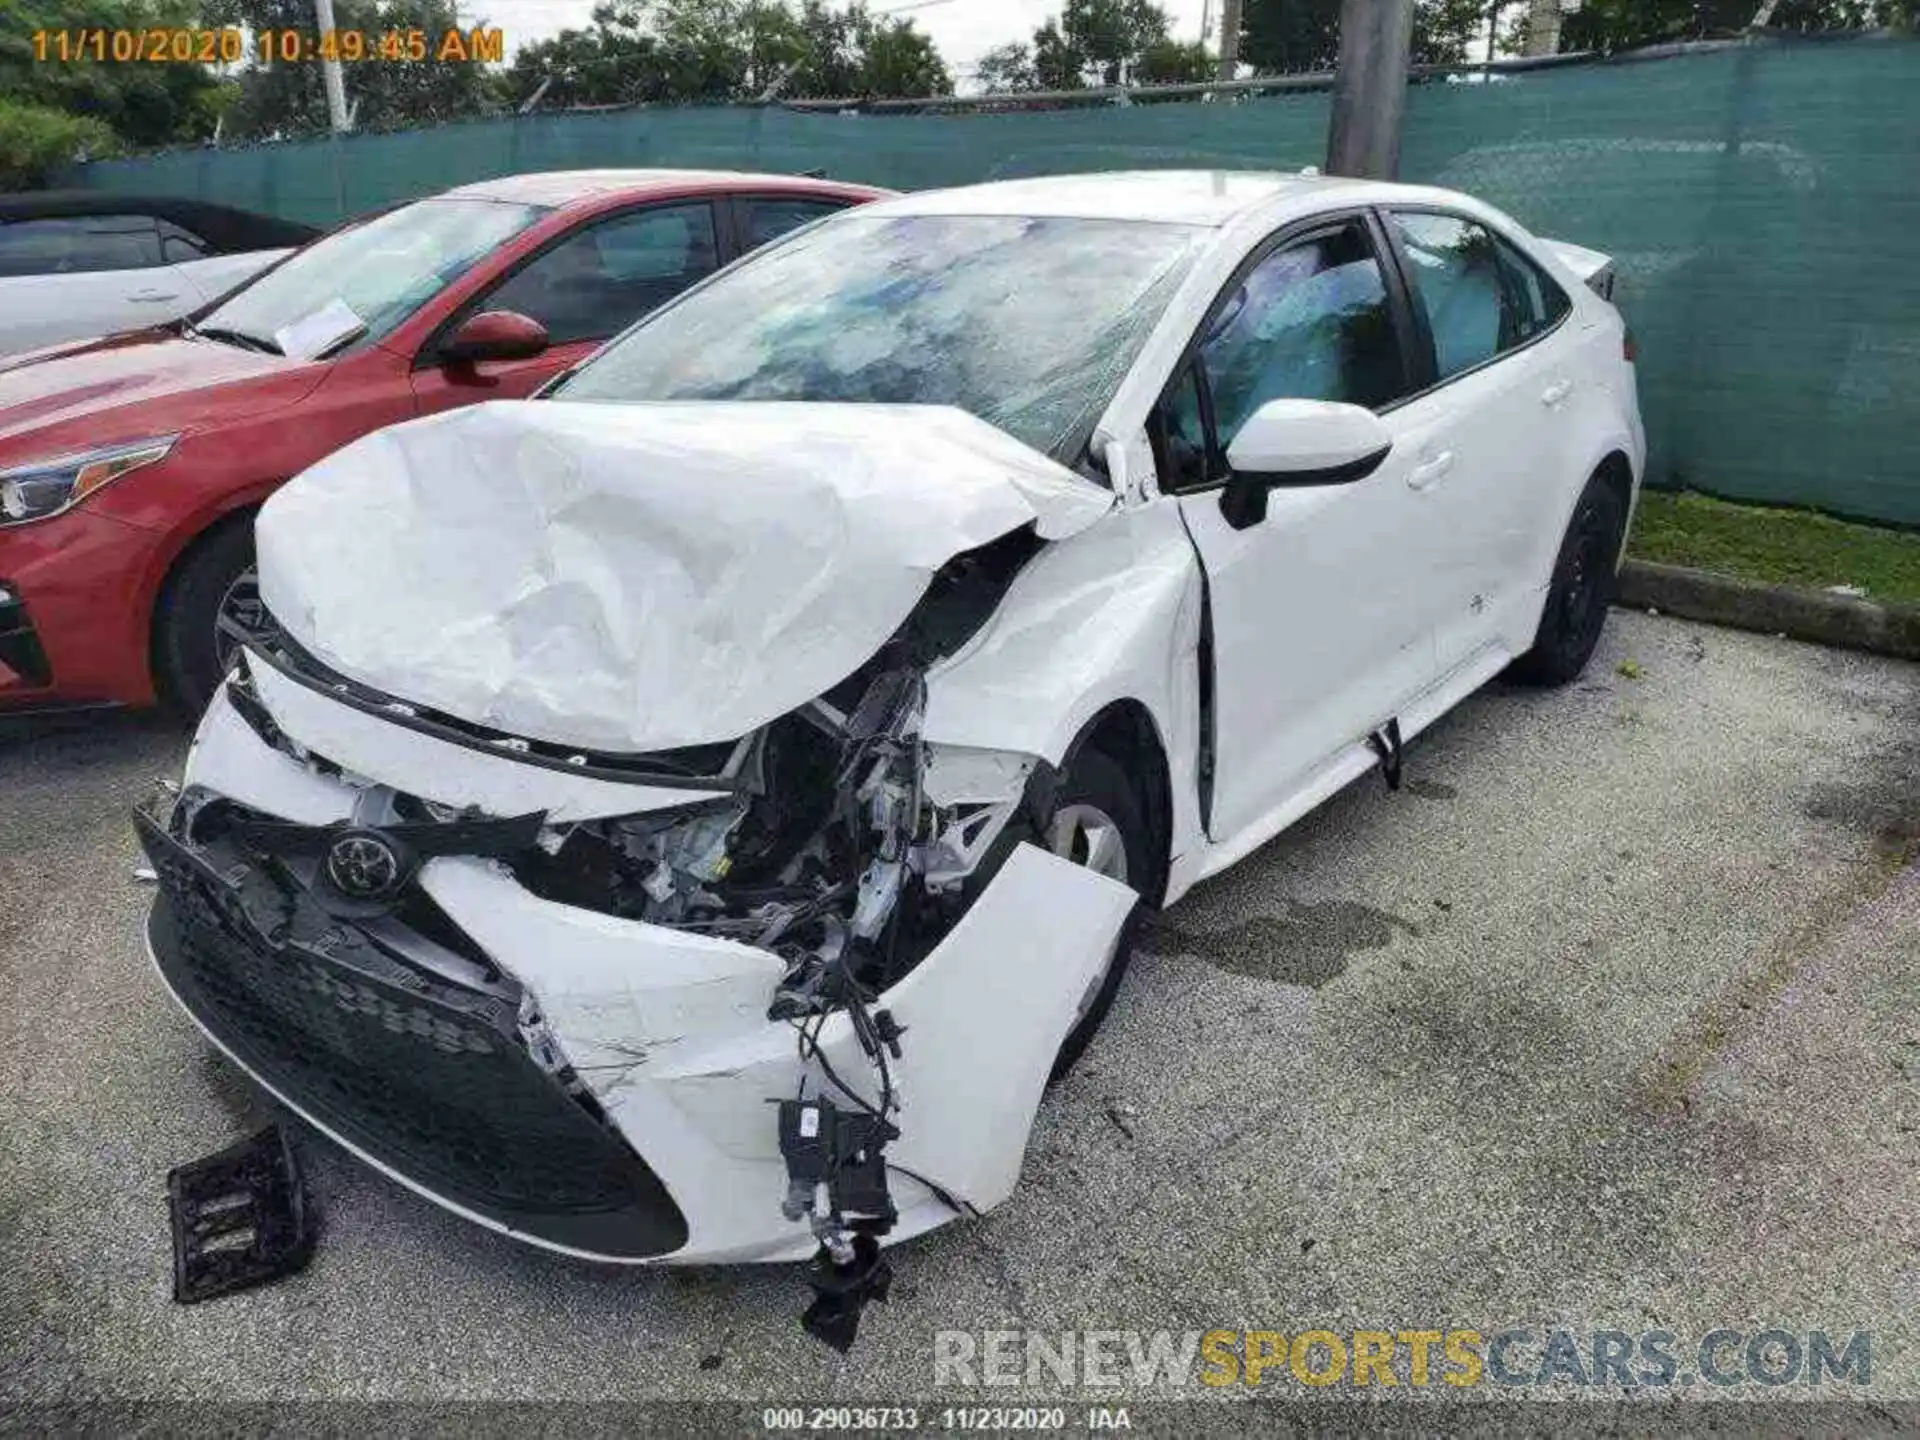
[[963, 29]]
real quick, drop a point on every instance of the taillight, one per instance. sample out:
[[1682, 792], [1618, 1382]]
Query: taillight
[[1629, 351]]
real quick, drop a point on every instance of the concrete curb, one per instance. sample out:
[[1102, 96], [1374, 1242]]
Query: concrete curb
[[1814, 615]]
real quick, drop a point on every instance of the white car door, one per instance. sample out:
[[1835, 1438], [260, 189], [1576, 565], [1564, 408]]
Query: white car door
[[72, 278], [1321, 612], [1497, 409]]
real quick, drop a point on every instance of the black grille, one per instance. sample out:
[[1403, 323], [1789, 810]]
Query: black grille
[[19, 646], [428, 1077]]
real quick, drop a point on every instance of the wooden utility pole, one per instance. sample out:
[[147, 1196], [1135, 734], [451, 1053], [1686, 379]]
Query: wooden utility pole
[[1229, 39], [1370, 88]]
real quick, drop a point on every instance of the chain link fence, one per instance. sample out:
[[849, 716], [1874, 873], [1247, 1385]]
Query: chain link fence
[[1762, 202]]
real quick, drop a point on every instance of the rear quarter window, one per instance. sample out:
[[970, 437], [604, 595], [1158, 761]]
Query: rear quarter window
[[1539, 300]]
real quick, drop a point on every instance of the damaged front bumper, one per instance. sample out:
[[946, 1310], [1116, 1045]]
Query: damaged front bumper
[[427, 1077], [594, 1084]]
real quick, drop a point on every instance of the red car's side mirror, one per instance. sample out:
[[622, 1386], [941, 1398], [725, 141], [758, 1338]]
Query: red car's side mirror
[[494, 335]]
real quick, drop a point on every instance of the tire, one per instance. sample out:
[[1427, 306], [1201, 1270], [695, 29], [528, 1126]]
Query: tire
[[1585, 574], [1096, 793], [190, 657]]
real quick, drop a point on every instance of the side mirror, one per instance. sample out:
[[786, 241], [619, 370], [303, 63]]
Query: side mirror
[[1299, 442], [494, 335]]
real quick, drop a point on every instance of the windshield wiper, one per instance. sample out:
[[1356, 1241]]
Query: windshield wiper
[[236, 337]]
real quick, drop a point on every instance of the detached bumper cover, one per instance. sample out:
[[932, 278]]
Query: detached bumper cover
[[427, 1078]]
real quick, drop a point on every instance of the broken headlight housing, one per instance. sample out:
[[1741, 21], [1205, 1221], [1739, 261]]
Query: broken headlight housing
[[827, 853]]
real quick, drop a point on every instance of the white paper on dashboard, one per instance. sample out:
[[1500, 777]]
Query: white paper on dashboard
[[319, 332]]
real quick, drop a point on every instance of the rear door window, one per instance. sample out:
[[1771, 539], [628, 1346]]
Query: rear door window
[[764, 220], [79, 245], [1540, 300], [599, 281], [1478, 295]]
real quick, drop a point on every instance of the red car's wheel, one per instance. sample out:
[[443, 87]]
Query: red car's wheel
[[190, 658]]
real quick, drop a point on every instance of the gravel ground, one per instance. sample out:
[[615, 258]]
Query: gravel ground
[[1607, 1020]]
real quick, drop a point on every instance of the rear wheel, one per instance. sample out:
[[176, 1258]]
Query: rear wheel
[[190, 655], [1584, 577], [1097, 822]]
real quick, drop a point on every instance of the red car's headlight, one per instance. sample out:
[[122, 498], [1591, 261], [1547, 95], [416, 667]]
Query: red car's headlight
[[46, 487]]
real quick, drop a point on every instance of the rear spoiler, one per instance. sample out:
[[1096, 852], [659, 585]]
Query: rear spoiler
[[1590, 265]]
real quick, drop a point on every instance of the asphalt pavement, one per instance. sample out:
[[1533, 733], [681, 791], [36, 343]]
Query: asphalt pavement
[[1606, 1020]]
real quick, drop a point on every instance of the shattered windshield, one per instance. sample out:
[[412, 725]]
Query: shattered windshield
[[366, 279], [1027, 322]]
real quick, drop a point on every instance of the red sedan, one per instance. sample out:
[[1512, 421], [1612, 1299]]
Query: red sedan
[[130, 466]]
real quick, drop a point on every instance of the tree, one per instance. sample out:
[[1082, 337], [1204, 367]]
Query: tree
[[1443, 30], [144, 104], [897, 60], [1170, 62], [601, 66], [831, 64], [616, 61], [1098, 42], [36, 141], [1007, 69], [714, 51], [290, 99], [1110, 35], [1279, 36], [1612, 25], [1056, 64]]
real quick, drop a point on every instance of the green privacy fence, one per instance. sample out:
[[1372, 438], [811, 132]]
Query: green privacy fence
[[1763, 203]]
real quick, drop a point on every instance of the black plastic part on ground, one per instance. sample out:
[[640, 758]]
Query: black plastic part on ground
[[240, 1219], [842, 1292]]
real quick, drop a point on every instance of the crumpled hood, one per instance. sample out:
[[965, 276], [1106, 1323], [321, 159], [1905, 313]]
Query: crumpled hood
[[637, 577]]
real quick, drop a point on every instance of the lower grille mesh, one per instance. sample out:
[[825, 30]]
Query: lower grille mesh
[[426, 1077]]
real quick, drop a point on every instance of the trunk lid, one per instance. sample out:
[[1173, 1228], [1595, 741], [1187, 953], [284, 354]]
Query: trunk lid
[[1593, 269]]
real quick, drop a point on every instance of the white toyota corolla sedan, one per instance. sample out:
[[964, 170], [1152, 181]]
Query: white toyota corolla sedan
[[689, 816]]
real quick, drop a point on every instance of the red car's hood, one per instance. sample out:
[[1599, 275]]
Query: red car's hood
[[151, 382]]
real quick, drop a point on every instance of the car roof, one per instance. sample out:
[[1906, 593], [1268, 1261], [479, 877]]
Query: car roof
[[1184, 197], [566, 187], [221, 226]]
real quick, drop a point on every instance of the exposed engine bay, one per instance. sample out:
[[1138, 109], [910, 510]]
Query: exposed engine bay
[[830, 855]]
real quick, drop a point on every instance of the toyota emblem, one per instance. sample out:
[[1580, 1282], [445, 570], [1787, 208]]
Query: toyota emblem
[[364, 865]]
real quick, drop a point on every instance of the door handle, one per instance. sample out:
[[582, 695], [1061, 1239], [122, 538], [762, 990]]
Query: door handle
[[1555, 395], [153, 297], [1427, 473]]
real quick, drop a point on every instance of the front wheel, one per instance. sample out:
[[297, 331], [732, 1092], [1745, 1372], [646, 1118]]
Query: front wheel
[[1584, 576], [190, 654], [1097, 822]]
